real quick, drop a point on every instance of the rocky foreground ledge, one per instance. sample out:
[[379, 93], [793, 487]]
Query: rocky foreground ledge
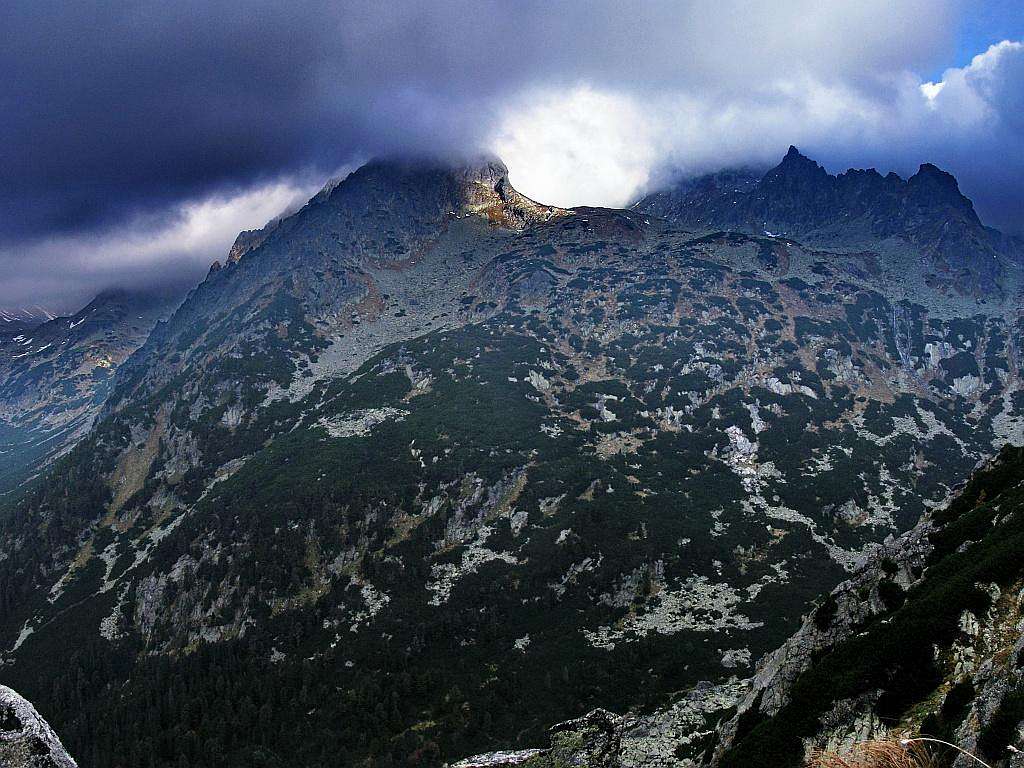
[[26, 740]]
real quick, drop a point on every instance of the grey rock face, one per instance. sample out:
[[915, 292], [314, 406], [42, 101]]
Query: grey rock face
[[26, 740], [498, 759]]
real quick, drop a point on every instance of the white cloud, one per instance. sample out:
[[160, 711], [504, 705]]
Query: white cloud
[[139, 253], [591, 103], [577, 147], [584, 144], [975, 94], [931, 90]]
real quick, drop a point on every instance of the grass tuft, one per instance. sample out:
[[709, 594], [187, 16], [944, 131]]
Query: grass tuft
[[877, 753]]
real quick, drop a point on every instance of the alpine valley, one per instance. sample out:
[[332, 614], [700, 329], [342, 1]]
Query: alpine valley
[[429, 470]]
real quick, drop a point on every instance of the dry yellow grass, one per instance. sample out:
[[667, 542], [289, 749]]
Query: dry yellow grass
[[881, 753]]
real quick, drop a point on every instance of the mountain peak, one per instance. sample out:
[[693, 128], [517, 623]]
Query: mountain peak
[[795, 161], [393, 203], [931, 186], [474, 184], [935, 177], [482, 168], [802, 199]]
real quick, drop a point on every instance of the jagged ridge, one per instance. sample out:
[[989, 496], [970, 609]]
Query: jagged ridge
[[800, 199]]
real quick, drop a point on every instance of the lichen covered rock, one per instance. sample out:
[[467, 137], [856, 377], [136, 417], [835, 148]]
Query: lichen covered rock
[[26, 740]]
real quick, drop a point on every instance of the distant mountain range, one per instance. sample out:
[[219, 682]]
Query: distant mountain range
[[55, 373], [17, 319], [428, 467]]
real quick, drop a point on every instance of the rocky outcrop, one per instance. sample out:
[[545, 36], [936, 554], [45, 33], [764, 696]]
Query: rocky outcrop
[[26, 740], [894, 569], [488, 191], [676, 736], [250, 239], [478, 186], [933, 627]]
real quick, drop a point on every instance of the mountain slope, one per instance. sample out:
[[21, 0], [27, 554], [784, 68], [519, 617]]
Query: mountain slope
[[55, 376], [938, 652], [432, 464], [924, 640]]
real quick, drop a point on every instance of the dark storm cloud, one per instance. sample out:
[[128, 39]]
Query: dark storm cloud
[[118, 108]]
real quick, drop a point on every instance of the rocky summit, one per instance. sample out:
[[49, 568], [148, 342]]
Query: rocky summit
[[429, 470]]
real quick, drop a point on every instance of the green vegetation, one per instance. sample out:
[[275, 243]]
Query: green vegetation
[[417, 560]]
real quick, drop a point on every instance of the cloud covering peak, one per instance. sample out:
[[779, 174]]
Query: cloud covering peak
[[126, 121]]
